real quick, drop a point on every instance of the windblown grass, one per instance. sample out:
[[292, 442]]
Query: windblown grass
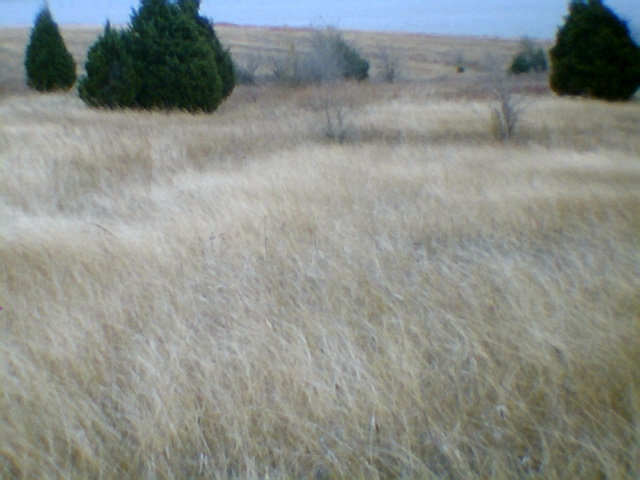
[[233, 296]]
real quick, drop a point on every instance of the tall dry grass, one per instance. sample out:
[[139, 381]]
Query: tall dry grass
[[234, 296]]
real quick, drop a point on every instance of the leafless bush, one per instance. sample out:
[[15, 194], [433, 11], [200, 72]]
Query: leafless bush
[[506, 112], [285, 68], [328, 59], [321, 64], [337, 127], [389, 64], [246, 70], [507, 107], [336, 107]]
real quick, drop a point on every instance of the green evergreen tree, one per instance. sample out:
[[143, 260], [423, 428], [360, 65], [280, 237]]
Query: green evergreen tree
[[48, 63], [353, 65], [520, 64], [175, 63], [165, 59], [226, 68], [111, 80], [594, 54]]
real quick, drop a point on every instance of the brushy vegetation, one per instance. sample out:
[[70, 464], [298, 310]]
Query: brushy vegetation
[[530, 58], [328, 59], [232, 297], [389, 64], [594, 54], [48, 64]]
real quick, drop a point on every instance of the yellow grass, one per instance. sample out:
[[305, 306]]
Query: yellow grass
[[234, 296]]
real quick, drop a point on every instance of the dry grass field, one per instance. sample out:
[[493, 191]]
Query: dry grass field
[[234, 296]]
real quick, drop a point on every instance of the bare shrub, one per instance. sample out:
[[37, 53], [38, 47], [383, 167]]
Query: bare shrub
[[320, 64], [285, 68], [246, 70], [506, 111], [336, 106], [337, 127], [328, 59], [507, 106], [344, 56], [389, 64]]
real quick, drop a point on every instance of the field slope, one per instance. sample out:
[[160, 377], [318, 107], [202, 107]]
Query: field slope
[[236, 296]]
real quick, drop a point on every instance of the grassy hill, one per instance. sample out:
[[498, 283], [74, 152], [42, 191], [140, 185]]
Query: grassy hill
[[238, 296]]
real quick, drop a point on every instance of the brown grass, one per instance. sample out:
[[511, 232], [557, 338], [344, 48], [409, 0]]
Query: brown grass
[[233, 296]]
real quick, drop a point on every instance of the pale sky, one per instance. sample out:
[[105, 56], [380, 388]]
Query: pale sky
[[507, 18]]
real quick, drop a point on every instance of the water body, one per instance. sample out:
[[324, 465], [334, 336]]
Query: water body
[[503, 18]]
